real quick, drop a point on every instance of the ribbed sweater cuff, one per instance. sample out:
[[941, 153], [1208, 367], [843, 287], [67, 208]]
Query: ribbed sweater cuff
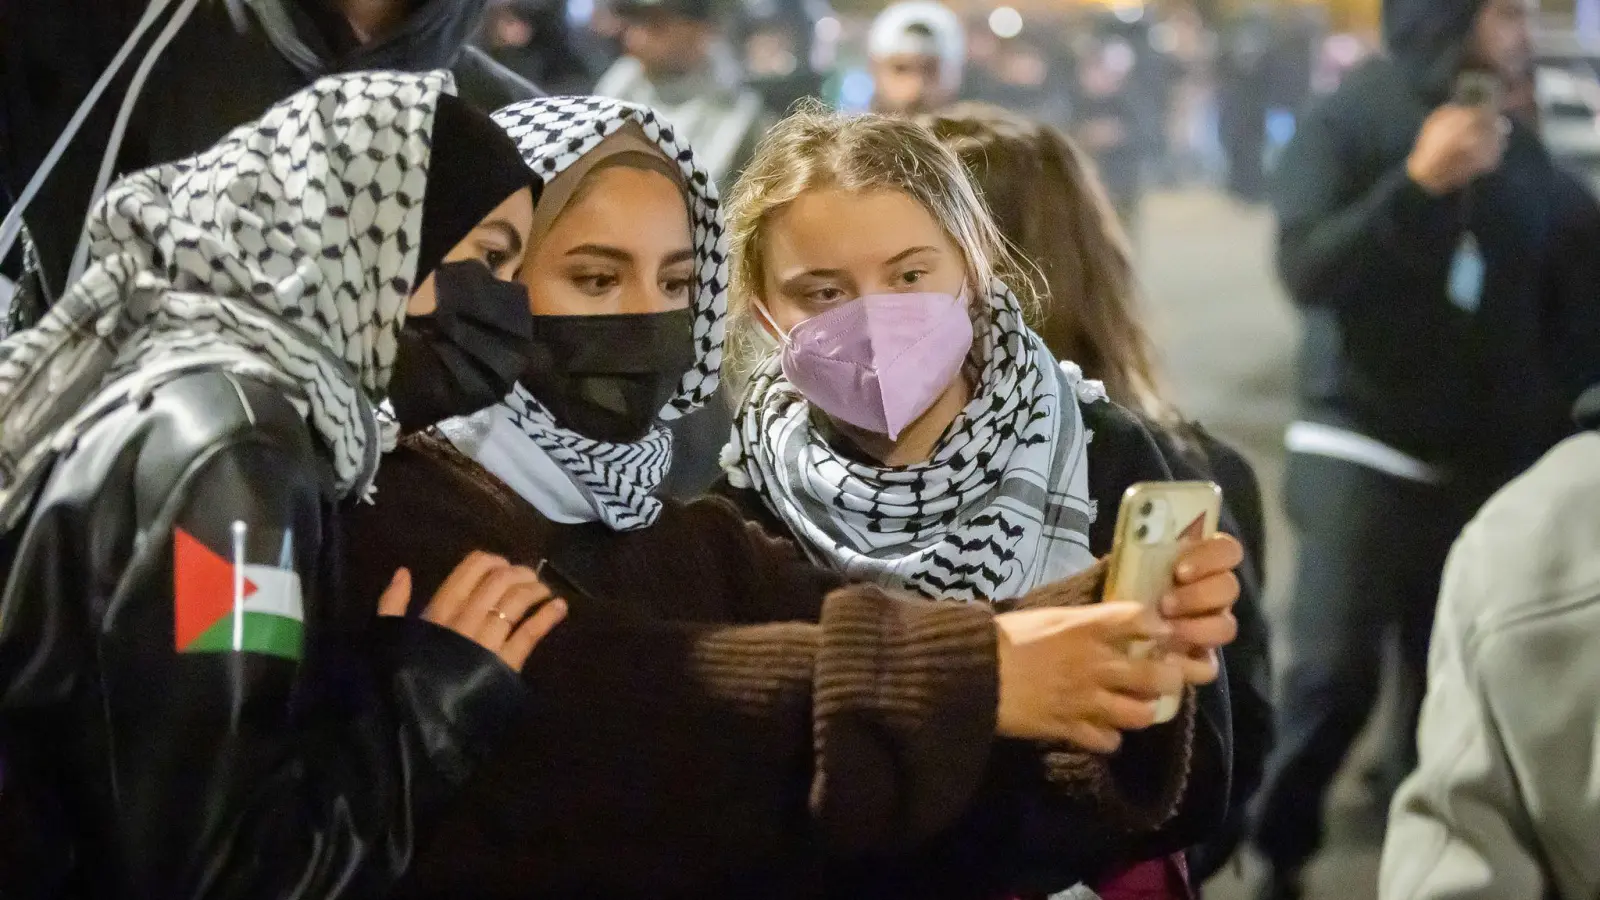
[[1141, 787], [758, 669], [905, 701]]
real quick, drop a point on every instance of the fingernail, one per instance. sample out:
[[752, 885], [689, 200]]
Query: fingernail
[[1169, 605], [1185, 571]]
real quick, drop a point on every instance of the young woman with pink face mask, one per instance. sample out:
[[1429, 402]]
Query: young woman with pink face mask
[[903, 425]]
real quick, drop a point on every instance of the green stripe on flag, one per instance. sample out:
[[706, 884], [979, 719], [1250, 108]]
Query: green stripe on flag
[[263, 633]]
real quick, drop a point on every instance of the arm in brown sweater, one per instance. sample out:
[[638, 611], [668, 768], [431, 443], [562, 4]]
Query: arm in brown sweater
[[1049, 814], [712, 706]]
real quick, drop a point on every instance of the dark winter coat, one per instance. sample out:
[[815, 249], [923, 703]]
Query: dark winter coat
[[129, 768], [229, 62]]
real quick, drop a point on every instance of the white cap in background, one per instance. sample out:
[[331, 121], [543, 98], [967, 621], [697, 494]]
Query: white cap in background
[[894, 33]]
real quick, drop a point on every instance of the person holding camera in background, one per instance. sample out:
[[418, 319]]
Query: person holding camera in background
[[1423, 236]]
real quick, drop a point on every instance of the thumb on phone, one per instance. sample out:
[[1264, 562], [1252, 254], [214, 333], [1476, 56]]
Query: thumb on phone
[[396, 599]]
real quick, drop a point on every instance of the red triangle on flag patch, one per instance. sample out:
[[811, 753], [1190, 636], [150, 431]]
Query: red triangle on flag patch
[[203, 585], [1196, 529]]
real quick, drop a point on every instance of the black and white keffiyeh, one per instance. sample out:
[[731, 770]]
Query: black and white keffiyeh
[[618, 480], [286, 251], [1001, 507]]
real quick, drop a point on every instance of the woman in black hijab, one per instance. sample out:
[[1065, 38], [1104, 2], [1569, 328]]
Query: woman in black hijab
[[192, 702]]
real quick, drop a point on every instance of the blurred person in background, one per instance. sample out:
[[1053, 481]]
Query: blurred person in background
[[1243, 91], [598, 39], [532, 38], [917, 55], [1028, 77], [779, 43], [1109, 122], [1427, 243], [1049, 205], [225, 65], [677, 60]]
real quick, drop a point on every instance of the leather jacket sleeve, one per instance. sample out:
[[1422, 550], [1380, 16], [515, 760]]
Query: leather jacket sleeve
[[302, 765]]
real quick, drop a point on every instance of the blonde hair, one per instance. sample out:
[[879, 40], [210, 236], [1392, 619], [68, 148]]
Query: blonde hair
[[815, 149], [1048, 201]]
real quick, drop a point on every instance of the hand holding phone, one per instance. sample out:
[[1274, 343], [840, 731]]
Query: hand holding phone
[[1160, 522], [1463, 139]]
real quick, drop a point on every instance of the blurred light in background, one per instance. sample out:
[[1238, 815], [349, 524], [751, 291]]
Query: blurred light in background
[[1128, 12], [829, 29], [580, 12], [1164, 37], [1118, 56], [1005, 22], [855, 91]]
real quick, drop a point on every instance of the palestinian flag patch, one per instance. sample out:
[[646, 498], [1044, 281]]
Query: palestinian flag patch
[[227, 604]]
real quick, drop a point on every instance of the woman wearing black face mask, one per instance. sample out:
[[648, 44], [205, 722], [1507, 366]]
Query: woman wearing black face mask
[[187, 687], [717, 717]]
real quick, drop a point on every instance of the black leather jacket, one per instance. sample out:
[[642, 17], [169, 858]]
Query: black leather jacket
[[129, 768]]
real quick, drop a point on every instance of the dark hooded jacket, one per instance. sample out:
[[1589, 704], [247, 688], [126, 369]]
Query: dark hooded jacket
[[1366, 254], [230, 61]]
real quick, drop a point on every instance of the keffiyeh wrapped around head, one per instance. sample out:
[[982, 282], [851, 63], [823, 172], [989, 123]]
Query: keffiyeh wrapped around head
[[1001, 507], [612, 483], [287, 252]]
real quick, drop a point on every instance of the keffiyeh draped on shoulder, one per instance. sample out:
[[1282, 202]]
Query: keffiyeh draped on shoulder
[[287, 251], [617, 480], [1001, 507]]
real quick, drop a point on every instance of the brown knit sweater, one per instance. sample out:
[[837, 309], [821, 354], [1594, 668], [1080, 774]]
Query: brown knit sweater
[[717, 717]]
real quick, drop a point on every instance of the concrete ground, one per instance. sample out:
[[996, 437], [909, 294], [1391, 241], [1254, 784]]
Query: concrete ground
[[1227, 335]]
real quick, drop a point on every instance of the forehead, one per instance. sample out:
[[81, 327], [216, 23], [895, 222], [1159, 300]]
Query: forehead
[[925, 61], [839, 229], [626, 203]]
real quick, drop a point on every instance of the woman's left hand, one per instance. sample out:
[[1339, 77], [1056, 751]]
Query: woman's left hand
[[1200, 605]]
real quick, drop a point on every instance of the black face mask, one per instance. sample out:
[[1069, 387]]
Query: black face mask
[[606, 377], [467, 355]]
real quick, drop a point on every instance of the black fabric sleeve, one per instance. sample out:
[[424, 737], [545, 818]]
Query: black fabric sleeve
[[1335, 240], [1574, 290], [1123, 454], [1247, 660], [307, 768]]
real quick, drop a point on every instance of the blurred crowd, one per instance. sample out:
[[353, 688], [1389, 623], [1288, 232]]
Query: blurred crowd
[[1154, 93]]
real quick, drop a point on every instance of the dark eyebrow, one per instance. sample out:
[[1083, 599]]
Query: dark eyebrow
[[678, 256], [513, 236], [909, 252], [611, 253]]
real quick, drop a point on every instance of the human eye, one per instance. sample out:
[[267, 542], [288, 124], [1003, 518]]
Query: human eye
[[678, 288], [824, 296], [595, 284]]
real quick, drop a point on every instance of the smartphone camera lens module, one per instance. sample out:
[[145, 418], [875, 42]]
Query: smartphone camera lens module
[[1147, 508], [1143, 531]]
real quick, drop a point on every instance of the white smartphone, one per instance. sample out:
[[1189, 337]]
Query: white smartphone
[[1157, 520]]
